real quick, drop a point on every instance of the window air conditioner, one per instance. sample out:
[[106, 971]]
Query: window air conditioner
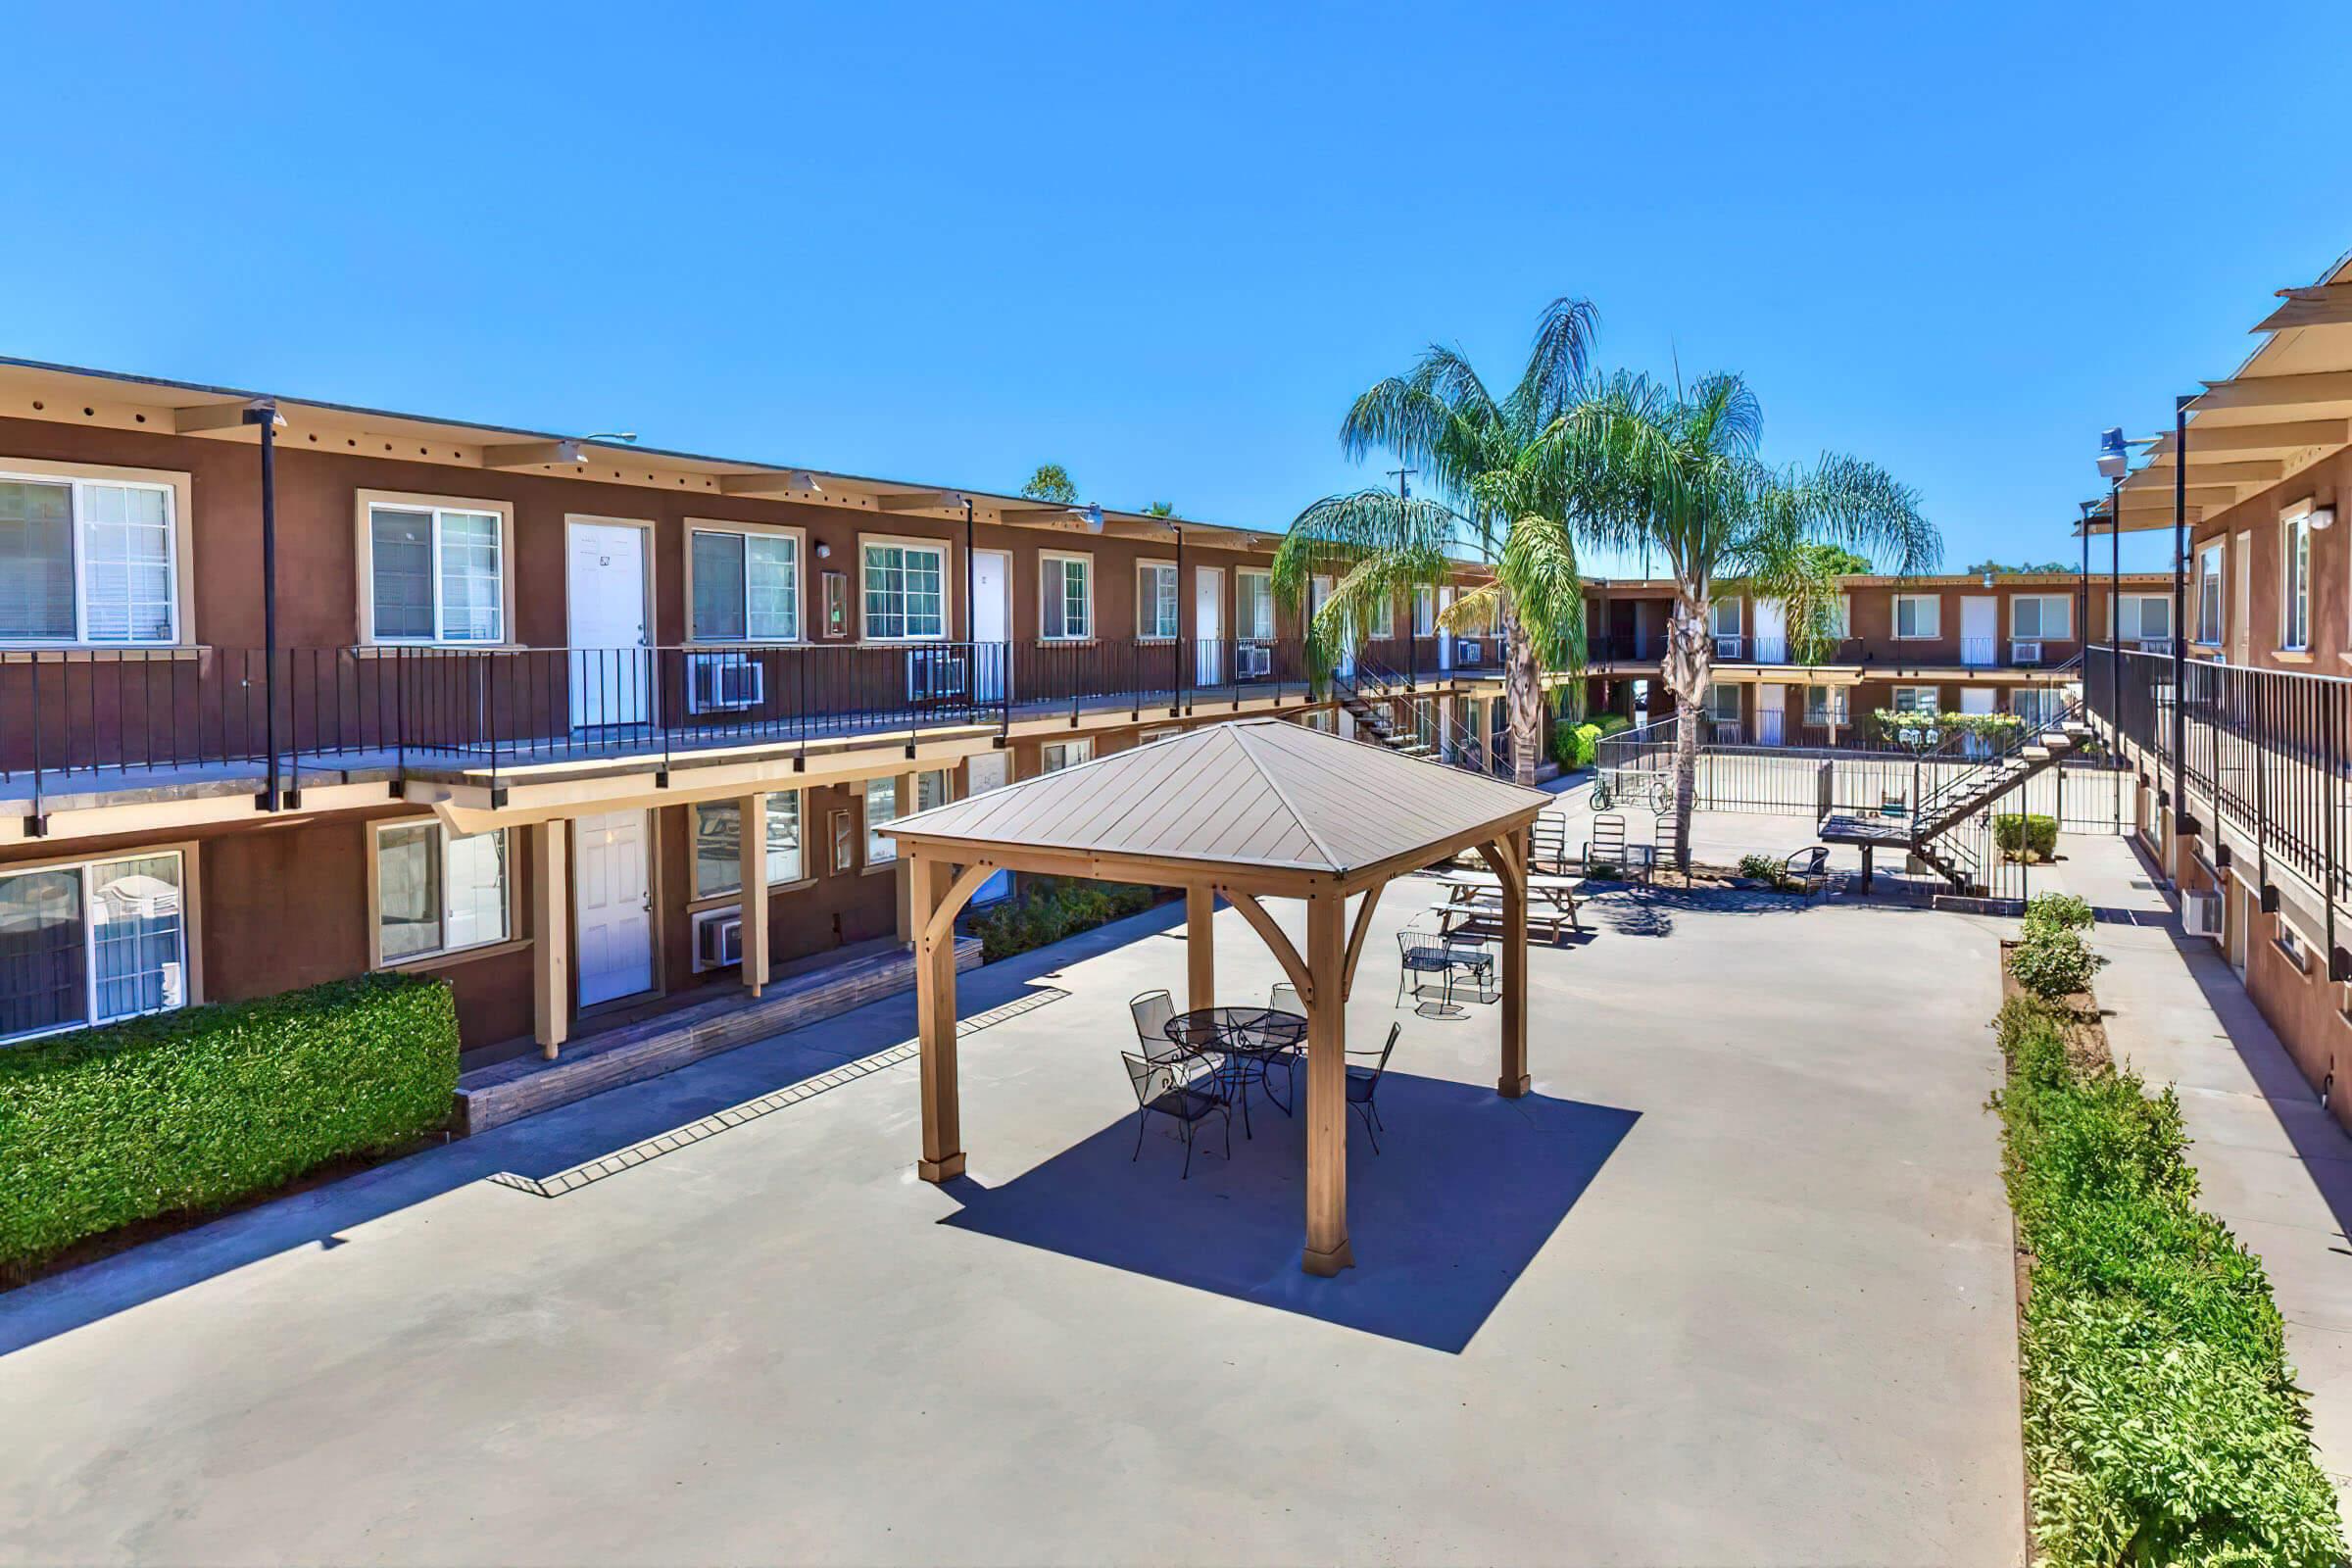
[[2025, 653], [936, 675], [1465, 651], [717, 939], [1254, 661], [2156, 644], [1727, 646], [2201, 915], [716, 681]]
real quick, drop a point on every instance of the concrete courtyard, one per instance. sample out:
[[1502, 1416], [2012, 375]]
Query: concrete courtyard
[[1732, 1286]]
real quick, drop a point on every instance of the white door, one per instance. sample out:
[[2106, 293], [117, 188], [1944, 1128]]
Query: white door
[[1772, 632], [1979, 630], [1318, 590], [2241, 601], [1772, 701], [1444, 637], [1208, 625], [605, 588], [984, 772], [992, 621], [1976, 700], [611, 873]]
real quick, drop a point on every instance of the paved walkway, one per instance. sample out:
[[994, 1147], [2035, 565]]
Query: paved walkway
[[1733, 1285], [2271, 1162]]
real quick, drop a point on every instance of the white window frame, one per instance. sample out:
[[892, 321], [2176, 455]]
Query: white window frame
[[78, 479], [1071, 752], [1253, 632], [88, 867], [1837, 705], [1935, 617], [748, 531], [2065, 617], [868, 544], [1715, 609], [1147, 577], [2210, 588], [2139, 617], [1425, 613], [1382, 619], [800, 816], [441, 839], [2295, 581], [1047, 588], [1935, 695], [2049, 703], [880, 850], [1738, 711], [370, 500]]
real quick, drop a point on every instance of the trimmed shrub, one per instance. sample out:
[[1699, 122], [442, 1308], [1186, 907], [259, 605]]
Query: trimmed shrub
[[2162, 1423], [1768, 870], [186, 1111], [1054, 908], [2053, 961], [2058, 912], [1576, 746], [2024, 837]]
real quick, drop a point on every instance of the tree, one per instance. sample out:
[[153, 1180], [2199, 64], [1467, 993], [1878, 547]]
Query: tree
[[1496, 501], [1999, 571], [1160, 509], [1679, 475], [1839, 561], [1052, 482]]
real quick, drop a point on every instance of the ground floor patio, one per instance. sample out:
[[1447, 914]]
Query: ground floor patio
[[1731, 1283]]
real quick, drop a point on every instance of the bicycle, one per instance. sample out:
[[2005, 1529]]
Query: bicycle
[[1656, 796]]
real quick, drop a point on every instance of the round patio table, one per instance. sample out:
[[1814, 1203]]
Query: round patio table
[[1245, 1041]]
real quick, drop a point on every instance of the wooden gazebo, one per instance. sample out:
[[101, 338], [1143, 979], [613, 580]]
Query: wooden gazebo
[[1243, 811]]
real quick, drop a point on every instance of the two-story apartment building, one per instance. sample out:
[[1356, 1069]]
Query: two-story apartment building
[[584, 727], [1951, 643]]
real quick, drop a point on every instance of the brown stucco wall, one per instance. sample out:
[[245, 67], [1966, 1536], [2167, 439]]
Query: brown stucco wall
[[2328, 483]]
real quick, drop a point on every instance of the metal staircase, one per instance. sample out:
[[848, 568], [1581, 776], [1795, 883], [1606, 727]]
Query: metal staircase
[[1961, 800], [1373, 716]]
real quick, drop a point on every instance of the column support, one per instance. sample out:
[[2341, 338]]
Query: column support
[[551, 936], [1509, 856], [1200, 946], [752, 847], [1327, 1246], [935, 1021]]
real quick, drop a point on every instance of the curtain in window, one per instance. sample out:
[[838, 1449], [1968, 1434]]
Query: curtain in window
[[135, 933], [36, 561], [470, 577], [400, 552], [407, 891], [43, 959], [126, 532], [772, 589], [1255, 612], [1065, 600], [719, 586]]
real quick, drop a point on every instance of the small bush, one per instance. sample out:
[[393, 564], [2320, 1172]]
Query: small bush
[[2162, 1422], [186, 1111], [1765, 868], [1575, 746], [1052, 908], [2024, 837], [2058, 912], [2053, 961]]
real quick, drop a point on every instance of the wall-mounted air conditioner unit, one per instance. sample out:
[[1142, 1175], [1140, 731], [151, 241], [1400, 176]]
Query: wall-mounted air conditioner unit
[[2201, 915], [2025, 653], [2156, 644], [717, 939], [1254, 661], [720, 681], [1466, 651], [1729, 647]]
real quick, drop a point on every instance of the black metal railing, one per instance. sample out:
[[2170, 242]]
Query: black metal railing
[[75, 719]]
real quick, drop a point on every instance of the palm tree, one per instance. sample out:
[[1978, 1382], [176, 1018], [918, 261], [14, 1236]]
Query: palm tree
[[1498, 499], [1678, 476]]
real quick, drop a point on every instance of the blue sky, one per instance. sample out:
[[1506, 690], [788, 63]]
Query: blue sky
[[1165, 246]]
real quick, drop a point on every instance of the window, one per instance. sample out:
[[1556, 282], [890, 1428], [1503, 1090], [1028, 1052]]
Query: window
[[2297, 949], [1918, 615], [1066, 609], [747, 586], [1723, 618], [1055, 756], [1165, 732], [2144, 617], [1383, 616], [845, 840], [2294, 602], [906, 590], [1322, 718], [1842, 616], [1723, 702], [88, 561], [2041, 618], [719, 839], [1825, 704], [2208, 595], [91, 943], [2039, 705], [435, 575], [1918, 699], [436, 892], [1425, 612], [1253, 602], [1156, 600], [882, 809]]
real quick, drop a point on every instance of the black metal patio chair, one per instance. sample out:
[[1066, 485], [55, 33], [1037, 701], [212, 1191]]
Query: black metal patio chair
[[1364, 1083], [1425, 947], [1808, 869], [1151, 1011], [1160, 1091]]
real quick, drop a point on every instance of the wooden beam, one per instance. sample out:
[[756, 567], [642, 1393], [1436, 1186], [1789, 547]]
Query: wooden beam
[[751, 850], [1302, 977], [2321, 305], [551, 937], [214, 418], [1051, 515], [2291, 435], [2200, 494], [2226, 471], [533, 454], [769, 484], [2277, 391], [935, 1027], [1327, 1250], [918, 500], [1508, 857], [1355, 938], [1200, 947], [940, 926]]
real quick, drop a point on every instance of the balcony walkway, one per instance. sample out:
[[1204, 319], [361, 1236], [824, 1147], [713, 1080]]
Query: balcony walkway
[[2271, 1162]]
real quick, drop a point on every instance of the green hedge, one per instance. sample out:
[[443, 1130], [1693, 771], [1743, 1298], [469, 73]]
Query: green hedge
[[1575, 746], [1052, 908], [2035, 836], [186, 1111], [2162, 1423]]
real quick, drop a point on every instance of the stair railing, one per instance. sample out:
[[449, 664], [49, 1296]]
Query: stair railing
[[1936, 802]]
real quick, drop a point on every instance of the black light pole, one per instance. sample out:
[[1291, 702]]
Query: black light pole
[[971, 612], [2090, 510], [2183, 823], [263, 412], [1413, 622], [1183, 700]]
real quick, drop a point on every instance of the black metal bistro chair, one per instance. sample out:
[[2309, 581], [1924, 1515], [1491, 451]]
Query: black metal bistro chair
[[1151, 1011], [1808, 869], [1284, 998], [1364, 1083], [1424, 948], [1160, 1091]]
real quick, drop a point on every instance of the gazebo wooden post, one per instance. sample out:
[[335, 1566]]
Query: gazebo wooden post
[[1200, 946], [1509, 856], [935, 1018], [1327, 1248]]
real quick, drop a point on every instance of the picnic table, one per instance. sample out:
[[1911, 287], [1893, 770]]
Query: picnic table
[[1868, 833], [1474, 904]]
